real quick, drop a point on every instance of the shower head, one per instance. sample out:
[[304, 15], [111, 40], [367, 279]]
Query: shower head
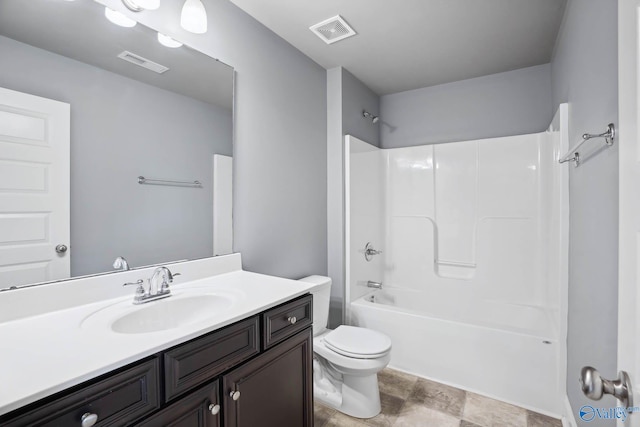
[[368, 115]]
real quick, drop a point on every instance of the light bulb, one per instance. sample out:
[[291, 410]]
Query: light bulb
[[119, 18], [194, 17], [168, 41]]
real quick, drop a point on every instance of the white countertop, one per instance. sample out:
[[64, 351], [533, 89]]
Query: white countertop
[[49, 352]]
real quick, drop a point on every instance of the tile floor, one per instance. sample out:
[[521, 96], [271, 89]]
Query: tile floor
[[409, 401]]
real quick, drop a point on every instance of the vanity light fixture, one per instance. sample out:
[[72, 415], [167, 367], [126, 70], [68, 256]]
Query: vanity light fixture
[[194, 17], [140, 5], [119, 18], [168, 41]]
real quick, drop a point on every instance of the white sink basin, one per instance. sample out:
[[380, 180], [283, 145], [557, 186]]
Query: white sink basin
[[170, 313], [180, 309]]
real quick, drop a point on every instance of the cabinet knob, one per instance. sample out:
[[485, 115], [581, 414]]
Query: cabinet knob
[[214, 409], [292, 320], [235, 395], [88, 419]]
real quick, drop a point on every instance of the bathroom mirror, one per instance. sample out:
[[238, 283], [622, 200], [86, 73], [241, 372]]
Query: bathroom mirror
[[129, 118]]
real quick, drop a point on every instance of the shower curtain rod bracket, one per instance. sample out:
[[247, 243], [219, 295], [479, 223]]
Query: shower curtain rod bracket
[[609, 136]]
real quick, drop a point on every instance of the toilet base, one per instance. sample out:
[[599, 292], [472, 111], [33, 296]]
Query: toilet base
[[360, 397], [347, 384]]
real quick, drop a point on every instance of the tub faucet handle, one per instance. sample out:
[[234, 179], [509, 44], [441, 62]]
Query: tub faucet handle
[[370, 251]]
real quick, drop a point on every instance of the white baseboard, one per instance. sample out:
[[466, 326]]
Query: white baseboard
[[569, 420]]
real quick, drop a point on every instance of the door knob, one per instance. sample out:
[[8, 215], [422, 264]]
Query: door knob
[[235, 395], [594, 386], [61, 248], [214, 409]]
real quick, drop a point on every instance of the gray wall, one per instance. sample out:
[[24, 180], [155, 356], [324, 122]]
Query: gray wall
[[357, 97], [280, 152], [346, 98], [120, 129], [585, 74], [510, 103]]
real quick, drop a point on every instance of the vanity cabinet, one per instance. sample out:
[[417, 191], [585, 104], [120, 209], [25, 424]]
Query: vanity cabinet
[[255, 372]]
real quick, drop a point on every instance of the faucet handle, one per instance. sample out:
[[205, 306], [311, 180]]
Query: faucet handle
[[138, 282], [140, 292]]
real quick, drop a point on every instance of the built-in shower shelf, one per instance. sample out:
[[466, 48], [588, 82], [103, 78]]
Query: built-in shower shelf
[[455, 270]]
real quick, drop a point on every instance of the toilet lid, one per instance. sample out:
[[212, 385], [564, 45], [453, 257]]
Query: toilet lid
[[357, 342]]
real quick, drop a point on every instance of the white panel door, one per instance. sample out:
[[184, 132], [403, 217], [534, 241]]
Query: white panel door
[[34, 189]]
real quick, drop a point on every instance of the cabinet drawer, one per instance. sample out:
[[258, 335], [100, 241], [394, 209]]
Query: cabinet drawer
[[194, 410], [199, 361], [283, 321], [117, 400]]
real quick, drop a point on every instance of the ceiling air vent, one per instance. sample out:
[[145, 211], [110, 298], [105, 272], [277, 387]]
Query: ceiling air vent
[[333, 30], [142, 62]]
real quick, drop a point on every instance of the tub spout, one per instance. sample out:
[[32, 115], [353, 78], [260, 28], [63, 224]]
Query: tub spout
[[375, 285]]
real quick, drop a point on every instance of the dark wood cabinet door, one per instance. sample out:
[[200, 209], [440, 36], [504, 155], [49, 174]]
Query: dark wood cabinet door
[[275, 389], [197, 409]]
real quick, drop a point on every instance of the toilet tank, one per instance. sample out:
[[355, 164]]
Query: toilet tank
[[321, 296]]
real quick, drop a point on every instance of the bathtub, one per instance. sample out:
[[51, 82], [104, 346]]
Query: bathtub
[[501, 350]]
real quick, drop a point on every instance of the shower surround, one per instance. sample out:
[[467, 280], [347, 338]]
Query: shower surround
[[474, 260]]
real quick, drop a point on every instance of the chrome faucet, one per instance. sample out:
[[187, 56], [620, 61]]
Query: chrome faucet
[[375, 285], [154, 291], [164, 274], [121, 264]]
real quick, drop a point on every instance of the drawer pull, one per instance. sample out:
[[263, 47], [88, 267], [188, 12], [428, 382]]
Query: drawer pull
[[235, 395], [214, 409], [89, 419], [292, 320]]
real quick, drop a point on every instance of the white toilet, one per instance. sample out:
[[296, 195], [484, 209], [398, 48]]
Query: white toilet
[[345, 360]]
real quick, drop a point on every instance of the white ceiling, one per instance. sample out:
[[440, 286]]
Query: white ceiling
[[409, 44]]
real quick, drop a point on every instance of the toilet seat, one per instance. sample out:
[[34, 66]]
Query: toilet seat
[[359, 343]]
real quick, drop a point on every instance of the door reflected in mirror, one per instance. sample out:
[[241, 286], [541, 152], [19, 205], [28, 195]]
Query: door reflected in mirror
[[86, 109]]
